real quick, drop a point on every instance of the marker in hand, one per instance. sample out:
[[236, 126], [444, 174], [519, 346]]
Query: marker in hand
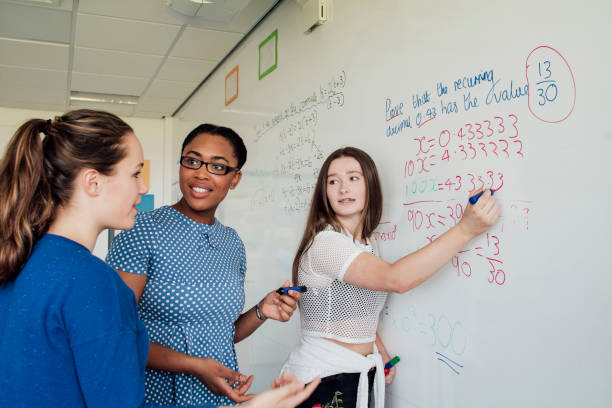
[[284, 291], [474, 198], [390, 364]]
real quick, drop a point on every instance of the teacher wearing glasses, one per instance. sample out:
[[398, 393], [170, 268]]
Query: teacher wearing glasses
[[187, 272]]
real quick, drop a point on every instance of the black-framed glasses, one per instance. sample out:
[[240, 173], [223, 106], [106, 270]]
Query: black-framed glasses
[[214, 168]]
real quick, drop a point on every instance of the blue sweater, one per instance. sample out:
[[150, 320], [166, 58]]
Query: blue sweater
[[69, 333]]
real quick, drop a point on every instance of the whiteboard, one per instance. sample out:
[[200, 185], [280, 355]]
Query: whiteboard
[[445, 97]]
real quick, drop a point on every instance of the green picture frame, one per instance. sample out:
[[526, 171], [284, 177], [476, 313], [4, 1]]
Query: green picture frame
[[265, 55]]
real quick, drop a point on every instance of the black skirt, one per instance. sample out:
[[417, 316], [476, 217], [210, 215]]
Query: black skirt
[[338, 391]]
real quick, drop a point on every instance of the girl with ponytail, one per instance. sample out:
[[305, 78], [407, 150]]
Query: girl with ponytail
[[69, 328], [37, 175]]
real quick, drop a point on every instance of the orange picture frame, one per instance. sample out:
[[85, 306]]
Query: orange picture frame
[[231, 86]]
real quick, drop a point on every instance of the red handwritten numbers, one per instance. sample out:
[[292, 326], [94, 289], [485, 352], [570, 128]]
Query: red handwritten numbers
[[493, 139], [463, 267], [491, 254], [431, 218]]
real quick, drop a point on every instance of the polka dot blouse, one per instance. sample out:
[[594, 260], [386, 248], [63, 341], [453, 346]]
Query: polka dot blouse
[[194, 294]]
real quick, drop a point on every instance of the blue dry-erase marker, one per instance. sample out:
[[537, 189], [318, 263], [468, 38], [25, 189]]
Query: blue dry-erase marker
[[284, 291], [474, 198]]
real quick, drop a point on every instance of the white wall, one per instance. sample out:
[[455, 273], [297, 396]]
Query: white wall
[[179, 129], [11, 119]]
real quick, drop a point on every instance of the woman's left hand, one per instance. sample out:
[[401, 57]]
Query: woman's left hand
[[389, 377], [384, 354], [386, 358], [279, 307]]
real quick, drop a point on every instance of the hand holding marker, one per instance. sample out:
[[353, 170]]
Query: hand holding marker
[[391, 363], [474, 198]]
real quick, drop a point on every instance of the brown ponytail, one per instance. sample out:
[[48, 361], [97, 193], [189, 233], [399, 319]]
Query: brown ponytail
[[36, 175]]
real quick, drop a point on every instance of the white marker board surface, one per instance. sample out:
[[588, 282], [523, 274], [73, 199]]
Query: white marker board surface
[[446, 97]]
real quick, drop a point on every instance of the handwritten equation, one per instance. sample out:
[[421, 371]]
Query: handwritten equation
[[549, 86], [330, 95], [431, 218], [292, 133], [472, 141]]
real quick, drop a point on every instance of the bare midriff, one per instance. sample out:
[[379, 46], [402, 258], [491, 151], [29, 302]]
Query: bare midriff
[[362, 348]]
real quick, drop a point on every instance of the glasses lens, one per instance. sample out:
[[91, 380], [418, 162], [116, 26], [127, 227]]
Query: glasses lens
[[191, 163], [216, 168]]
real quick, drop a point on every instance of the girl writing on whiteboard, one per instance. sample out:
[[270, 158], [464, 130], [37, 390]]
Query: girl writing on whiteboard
[[187, 271], [348, 283], [70, 333]]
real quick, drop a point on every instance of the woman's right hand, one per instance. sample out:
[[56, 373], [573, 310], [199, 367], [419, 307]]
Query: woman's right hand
[[219, 379], [287, 392], [479, 217]]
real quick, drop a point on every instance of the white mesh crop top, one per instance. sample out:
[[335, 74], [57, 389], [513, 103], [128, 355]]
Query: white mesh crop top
[[331, 308]]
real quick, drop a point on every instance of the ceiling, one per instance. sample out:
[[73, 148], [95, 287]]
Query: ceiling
[[155, 52]]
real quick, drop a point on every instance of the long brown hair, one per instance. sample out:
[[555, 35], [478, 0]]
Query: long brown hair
[[37, 174], [321, 214]]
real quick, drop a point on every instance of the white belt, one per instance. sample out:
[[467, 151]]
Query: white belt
[[317, 357]]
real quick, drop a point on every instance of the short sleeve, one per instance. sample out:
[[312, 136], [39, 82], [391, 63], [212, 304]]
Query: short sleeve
[[331, 253], [131, 251]]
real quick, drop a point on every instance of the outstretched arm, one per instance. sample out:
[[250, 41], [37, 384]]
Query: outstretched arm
[[370, 272]]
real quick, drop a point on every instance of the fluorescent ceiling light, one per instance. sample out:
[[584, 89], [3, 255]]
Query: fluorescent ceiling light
[[47, 2], [76, 96]]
